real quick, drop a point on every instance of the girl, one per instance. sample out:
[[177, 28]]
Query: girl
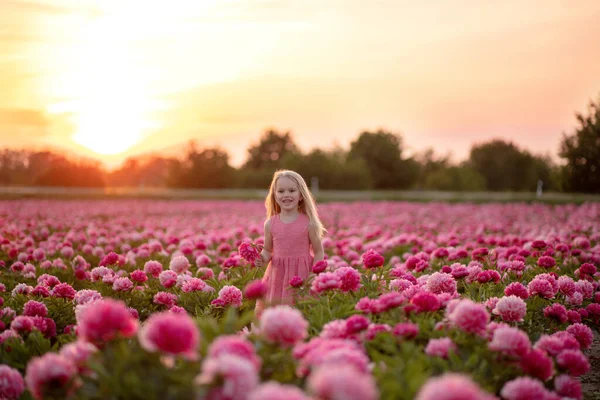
[[291, 229]]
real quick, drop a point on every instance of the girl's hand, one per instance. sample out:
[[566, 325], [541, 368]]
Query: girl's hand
[[259, 262]]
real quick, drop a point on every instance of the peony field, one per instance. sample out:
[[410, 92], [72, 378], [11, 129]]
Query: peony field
[[154, 299]]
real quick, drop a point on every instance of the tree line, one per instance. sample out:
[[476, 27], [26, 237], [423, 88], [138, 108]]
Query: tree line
[[374, 160]]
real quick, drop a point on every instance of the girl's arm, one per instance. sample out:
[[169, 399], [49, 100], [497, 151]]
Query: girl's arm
[[268, 246], [317, 245]]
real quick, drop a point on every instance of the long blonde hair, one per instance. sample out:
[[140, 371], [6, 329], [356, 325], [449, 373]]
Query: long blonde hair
[[306, 206]]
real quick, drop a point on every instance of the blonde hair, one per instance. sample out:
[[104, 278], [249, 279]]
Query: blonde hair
[[307, 203]]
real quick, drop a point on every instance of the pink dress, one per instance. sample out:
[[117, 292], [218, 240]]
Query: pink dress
[[291, 256]]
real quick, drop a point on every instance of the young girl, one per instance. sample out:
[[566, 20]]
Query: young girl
[[291, 229]]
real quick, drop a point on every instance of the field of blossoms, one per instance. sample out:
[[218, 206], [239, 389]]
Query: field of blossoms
[[147, 299]]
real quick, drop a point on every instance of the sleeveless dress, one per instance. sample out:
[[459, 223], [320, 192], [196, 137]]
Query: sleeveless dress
[[291, 256]]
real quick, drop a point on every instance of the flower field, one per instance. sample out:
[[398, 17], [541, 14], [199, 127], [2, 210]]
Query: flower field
[[147, 299]]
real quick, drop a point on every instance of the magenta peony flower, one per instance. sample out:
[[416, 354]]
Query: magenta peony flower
[[569, 387], [556, 311], [406, 330], [50, 373], [511, 309], [319, 267], [11, 383], [104, 320], [296, 281], [426, 302], [256, 289], [356, 323], [78, 353], [350, 279], [574, 361], [583, 334], [33, 308], [153, 268], [372, 259], [167, 278], [276, 391], [441, 283], [451, 386], [171, 334], [139, 276], [536, 363], [342, 382], [249, 252], [546, 262], [283, 325], [516, 289], [64, 291]]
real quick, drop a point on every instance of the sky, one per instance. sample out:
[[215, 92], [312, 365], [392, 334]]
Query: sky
[[113, 78]]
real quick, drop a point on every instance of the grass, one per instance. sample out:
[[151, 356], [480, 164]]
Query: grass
[[16, 193]]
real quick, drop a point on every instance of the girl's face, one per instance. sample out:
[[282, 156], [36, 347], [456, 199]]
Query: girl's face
[[287, 194]]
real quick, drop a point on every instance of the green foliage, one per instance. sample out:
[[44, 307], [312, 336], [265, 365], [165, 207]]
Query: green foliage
[[581, 150]]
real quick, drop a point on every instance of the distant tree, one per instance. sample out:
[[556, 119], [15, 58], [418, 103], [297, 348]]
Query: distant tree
[[455, 178], [429, 163], [382, 154], [506, 167], [270, 150], [582, 153], [206, 168]]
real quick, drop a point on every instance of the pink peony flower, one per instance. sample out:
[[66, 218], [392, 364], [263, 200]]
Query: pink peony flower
[[33, 308], [171, 334], [122, 285], [256, 289], [406, 330], [110, 259], [104, 320], [524, 388], [546, 262], [440, 347], [167, 278], [451, 386], [325, 281], [50, 373], [193, 285], [441, 283], [276, 391], [511, 309], [78, 353], [179, 264], [469, 316], [566, 285], [235, 376], [556, 311], [11, 383], [400, 285], [510, 341], [372, 259], [166, 299], [230, 296], [234, 345], [283, 325], [390, 300], [342, 382], [153, 268]]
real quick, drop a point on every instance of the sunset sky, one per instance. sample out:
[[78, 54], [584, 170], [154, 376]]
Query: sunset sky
[[112, 78]]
